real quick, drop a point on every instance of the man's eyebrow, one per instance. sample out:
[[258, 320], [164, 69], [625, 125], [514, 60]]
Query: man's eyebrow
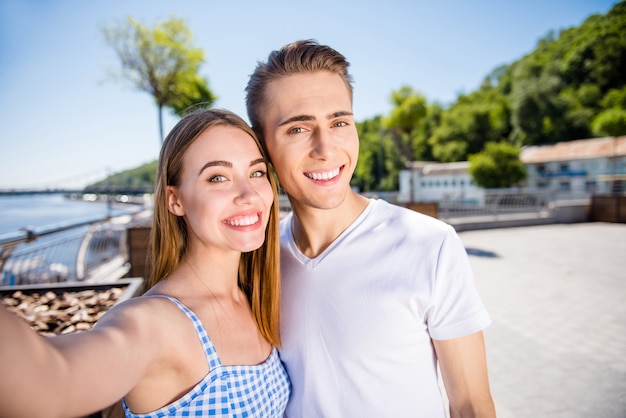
[[297, 118], [339, 114], [304, 118]]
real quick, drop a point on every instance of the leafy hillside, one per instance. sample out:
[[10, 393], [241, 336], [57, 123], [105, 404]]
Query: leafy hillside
[[561, 90], [572, 86], [141, 176]]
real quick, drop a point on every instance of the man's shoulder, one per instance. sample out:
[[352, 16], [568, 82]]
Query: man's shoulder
[[399, 214]]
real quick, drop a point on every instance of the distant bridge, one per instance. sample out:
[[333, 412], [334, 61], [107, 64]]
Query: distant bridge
[[78, 184], [9, 192], [110, 190]]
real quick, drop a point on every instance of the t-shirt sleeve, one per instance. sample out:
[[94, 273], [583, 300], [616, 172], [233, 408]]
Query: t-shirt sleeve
[[456, 309]]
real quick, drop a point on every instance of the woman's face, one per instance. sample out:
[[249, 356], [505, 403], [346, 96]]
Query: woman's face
[[224, 195]]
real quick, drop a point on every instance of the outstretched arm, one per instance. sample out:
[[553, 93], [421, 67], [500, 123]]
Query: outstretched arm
[[72, 374], [464, 370], [22, 355]]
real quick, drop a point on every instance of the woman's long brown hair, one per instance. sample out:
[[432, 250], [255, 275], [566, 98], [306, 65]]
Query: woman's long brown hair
[[259, 270]]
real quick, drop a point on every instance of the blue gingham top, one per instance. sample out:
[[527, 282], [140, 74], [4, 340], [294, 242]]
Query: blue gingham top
[[229, 391]]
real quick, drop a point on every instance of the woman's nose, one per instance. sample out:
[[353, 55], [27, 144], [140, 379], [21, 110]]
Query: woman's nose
[[246, 192]]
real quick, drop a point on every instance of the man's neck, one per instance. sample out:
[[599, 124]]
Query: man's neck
[[315, 229]]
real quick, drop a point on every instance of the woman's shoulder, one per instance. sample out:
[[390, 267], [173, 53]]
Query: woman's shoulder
[[144, 315]]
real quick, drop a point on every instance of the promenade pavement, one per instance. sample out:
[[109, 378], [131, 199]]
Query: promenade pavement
[[557, 297]]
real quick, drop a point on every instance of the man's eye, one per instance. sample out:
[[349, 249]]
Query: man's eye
[[296, 130], [217, 179], [340, 123]]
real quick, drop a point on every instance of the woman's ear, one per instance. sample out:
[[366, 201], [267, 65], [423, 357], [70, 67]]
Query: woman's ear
[[173, 202]]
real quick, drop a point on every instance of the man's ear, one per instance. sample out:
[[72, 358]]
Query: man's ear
[[173, 203]]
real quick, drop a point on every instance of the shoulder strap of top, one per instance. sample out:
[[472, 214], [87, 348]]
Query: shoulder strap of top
[[209, 349]]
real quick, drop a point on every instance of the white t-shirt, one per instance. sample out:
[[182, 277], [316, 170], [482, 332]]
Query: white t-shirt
[[357, 320]]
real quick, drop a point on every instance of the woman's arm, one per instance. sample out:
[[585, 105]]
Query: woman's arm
[[74, 374]]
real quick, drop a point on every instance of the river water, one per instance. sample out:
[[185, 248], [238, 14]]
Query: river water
[[40, 210], [53, 257]]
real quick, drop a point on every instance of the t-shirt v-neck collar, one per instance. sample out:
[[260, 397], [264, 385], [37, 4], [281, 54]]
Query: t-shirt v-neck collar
[[313, 262]]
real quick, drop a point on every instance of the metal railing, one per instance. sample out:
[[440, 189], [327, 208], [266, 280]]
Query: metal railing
[[495, 202], [96, 250], [92, 250], [498, 203]]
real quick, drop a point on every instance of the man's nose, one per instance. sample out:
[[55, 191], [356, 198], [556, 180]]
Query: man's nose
[[323, 144]]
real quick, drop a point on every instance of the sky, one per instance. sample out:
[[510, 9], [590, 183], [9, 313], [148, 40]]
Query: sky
[[65, 122]]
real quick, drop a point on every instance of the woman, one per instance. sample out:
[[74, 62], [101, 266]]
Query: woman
[[202, 339]]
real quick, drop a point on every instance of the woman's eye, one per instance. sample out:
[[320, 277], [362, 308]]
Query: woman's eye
[[217, 179], [259, 173]]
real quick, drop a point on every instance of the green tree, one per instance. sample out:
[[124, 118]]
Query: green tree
[[398, 138], [161, 61], [422, 149], [467, 125], [615, 98], [369, 171], [498, 165], [538, 112], [408, 112], [610, 122]]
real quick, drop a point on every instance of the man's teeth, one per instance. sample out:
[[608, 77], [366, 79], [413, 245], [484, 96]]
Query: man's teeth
[[243, 221], [324, 176]]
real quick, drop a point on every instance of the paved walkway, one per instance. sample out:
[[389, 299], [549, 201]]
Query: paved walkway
[[557, 297]]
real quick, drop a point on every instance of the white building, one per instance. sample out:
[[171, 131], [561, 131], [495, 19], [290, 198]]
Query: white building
[[439, 182], [596, 165]]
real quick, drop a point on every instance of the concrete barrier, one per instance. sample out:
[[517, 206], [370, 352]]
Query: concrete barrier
[[570, 211]]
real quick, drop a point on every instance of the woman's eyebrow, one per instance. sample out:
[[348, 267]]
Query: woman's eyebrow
[[220, 163]]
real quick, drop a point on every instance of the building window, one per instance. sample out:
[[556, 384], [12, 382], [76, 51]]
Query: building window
[[565, 186]]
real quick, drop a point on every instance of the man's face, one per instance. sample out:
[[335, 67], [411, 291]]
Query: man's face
[[311, 137]]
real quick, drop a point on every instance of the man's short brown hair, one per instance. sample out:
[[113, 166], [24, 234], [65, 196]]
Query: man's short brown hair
[[296, 57]]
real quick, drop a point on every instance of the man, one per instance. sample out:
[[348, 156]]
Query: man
[[374, 296]]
